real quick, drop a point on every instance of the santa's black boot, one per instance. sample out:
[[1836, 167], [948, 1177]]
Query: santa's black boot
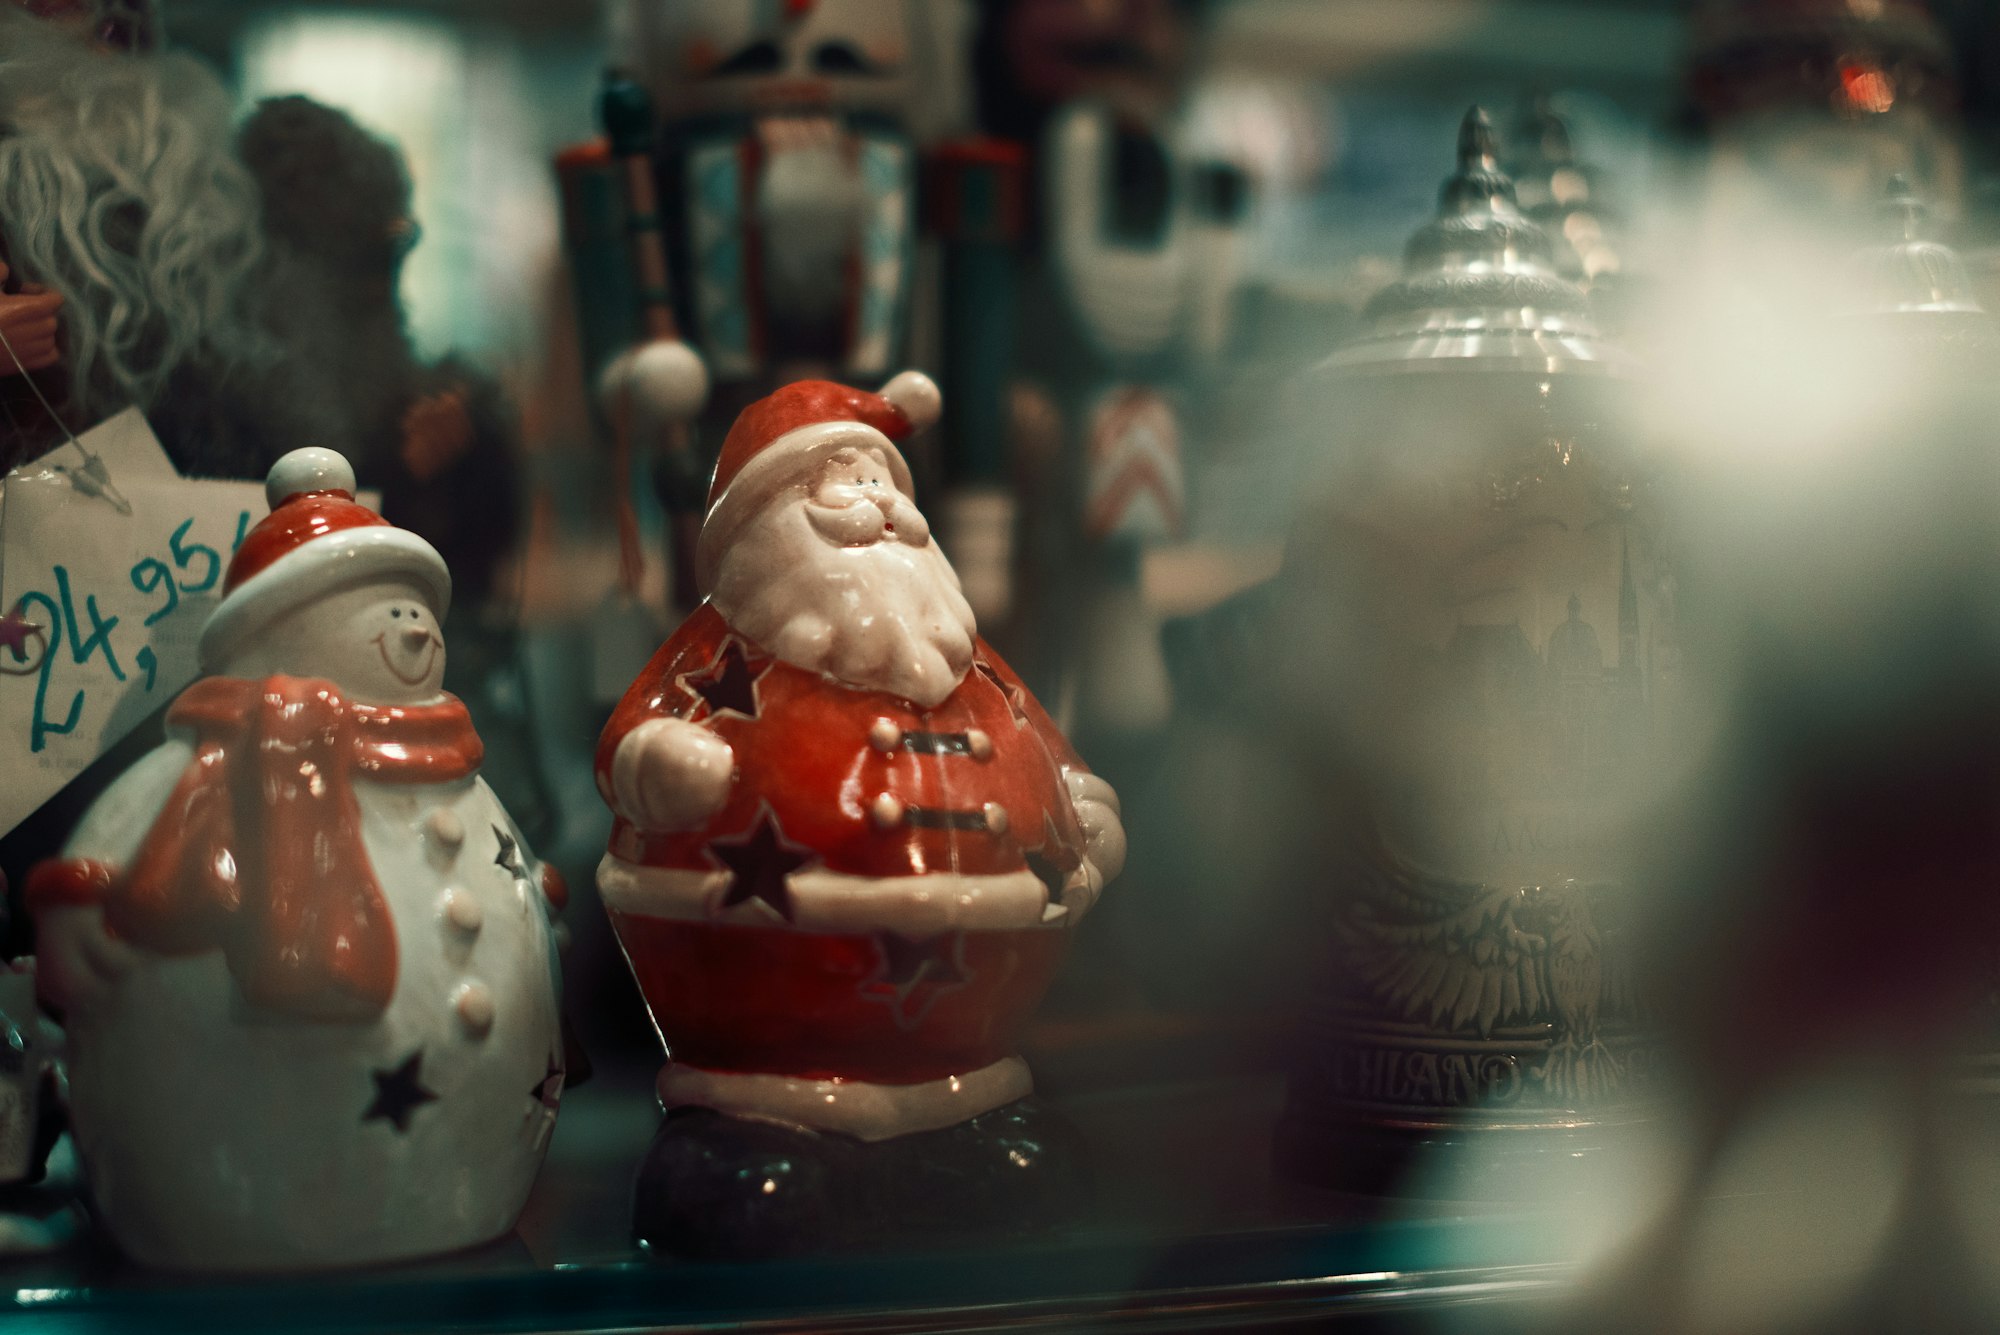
[[1018, 1170], [715, 1187]]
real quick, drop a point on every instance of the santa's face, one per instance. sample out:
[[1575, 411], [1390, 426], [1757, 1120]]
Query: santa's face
[[839, 575], [378, 642]]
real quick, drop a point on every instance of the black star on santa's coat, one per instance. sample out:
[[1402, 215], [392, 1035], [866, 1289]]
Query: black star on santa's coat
[[509, 855], [727, 683], [399, 1093], [907, 962], [915, 972], [758, 861], [548, 1090]]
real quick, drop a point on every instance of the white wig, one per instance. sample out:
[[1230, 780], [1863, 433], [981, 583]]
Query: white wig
[[119, 188]]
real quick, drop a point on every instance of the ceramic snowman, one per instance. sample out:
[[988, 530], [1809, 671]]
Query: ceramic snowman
[[305, 960]]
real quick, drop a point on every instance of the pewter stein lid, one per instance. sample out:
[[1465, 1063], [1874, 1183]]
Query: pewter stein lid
[[1910, 273], [1480, 289]]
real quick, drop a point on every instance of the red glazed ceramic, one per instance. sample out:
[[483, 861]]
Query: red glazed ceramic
[[849, 843]]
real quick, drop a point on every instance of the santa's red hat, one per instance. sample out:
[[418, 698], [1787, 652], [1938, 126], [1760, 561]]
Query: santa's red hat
[[777, 440], [316, 540]]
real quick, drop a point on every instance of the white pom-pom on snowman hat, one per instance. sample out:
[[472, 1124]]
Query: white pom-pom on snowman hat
[[316, 540], [661, 381], [305, 471]]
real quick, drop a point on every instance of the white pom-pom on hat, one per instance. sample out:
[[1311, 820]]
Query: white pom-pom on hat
[[917, 397], [663, 380], [311, 469]]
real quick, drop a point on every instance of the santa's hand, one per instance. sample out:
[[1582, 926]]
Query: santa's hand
[[1097, 812], [1096, 808], [28, 322], [669, 775], [77, 960]]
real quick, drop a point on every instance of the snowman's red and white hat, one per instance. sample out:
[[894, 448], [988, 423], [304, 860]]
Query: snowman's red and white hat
[[316, 540], [779, 438]]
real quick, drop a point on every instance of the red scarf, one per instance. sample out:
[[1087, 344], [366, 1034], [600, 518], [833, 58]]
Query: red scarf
[[258, 851]]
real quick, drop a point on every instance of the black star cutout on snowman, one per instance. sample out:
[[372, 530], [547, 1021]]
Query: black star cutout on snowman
[[548, 1090], [758, 862], [915, 973], [509, 855], [727, 683], [399, 1093]]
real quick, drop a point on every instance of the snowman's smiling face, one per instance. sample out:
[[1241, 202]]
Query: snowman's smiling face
[[378, 642], [411, 647]]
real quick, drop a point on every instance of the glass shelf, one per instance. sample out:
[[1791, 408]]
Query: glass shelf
[[1190, 1230]]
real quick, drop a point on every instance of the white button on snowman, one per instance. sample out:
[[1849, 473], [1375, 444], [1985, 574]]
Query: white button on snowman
[[305, 960]]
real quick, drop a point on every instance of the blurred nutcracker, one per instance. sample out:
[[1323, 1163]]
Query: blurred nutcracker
[[1122, 276], [774, 233]]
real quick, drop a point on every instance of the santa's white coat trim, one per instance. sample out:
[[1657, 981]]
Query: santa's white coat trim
[[831, 901], [851, 1107]]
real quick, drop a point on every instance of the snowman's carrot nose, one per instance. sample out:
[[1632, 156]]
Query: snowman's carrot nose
[[416, 637]]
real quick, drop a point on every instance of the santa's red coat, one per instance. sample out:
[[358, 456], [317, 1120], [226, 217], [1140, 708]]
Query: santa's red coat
[[978, 778], [906, 988]]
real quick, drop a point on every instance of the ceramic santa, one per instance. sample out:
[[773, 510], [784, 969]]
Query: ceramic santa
[[305, 961], [849, 846]]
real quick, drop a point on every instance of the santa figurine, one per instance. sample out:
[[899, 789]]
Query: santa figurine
[[304, 959], [849, 851]]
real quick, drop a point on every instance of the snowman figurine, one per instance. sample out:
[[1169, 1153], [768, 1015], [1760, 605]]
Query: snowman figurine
[[305, 960]]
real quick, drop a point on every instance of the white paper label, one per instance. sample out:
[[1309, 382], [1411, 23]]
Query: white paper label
[[119, 601]]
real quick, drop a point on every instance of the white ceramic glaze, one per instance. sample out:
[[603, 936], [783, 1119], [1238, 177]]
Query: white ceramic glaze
[[219, 1136], [228, 1116]]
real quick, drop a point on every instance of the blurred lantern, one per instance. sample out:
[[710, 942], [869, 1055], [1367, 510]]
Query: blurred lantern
[[1491, 656]]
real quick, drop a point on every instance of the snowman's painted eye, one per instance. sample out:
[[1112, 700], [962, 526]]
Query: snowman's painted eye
[[396, 612]]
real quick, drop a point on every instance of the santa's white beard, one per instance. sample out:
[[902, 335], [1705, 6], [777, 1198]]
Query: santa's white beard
[[883, 616]]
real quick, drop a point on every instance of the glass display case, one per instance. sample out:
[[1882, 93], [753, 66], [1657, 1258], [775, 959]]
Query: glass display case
[[592, 594]]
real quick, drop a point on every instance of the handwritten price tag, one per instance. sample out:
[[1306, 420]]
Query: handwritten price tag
[[117, 601]]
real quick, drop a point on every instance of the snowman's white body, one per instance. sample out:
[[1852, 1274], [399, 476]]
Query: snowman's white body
[[218, 1135]]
